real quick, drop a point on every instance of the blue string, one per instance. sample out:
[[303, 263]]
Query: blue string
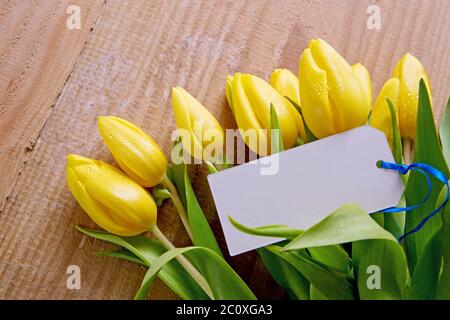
[[426, 170]]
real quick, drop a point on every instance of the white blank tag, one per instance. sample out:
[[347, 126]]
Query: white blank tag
[[312, 181]]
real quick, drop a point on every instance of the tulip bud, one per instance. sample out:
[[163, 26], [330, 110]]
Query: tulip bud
[[409, 71], [286, 83], [228, 91], [250, 99], [204, 136], [135, 152], [115, 202], [381, 116], [334, 96]]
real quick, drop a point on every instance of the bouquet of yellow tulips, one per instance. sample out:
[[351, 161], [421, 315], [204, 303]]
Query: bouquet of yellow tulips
[[332, 259]]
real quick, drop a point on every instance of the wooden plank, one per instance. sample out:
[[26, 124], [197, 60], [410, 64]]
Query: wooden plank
[[37, 53], [136, 53]]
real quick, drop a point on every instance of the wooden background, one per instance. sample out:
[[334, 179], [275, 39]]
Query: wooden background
[[54, 82]]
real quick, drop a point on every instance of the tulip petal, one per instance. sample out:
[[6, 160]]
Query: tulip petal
[[314, 100], [202, 126], [184, 120], [286, 83], [381, 116], [228, 92], [300, 125], [259, 98], [111, 199], [246, 118], [364, 78], [409, 70], [345, 91], [134, 151], [124, 197], [95, 210], [261, 95]]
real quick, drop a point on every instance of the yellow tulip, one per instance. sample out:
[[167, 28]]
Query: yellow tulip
[[119, 205], [250, 98], [381, 116], [135, 152], [402, 90], [409, 71], [228, 91], [115, 202], [286, 83], [334, 95], [203, 130]]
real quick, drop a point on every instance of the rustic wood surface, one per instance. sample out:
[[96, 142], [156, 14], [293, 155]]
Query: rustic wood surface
[[54, 82]]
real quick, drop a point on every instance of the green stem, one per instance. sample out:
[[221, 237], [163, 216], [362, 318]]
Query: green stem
[[178, 204], [212, 168], [407, 150], [216, 166], [195, 274]]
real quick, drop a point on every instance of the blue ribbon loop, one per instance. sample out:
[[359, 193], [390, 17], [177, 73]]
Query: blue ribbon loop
[[426, 170]]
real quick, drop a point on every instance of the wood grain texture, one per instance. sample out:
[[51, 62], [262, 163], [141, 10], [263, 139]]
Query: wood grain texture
[[137, 51], [37, 54]]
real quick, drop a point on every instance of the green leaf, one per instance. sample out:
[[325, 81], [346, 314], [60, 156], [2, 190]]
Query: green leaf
[[315, 294], [310, 137], [445, 132], [149, 251], [346, 224], [178, 173], [394, 222], [331, 283], [389, 259], [202, 234], [427, 150], [123, 254], [443, 291], [276, 140], [276, 231], [223, 280], [332, 256], [425, 278], [201, 230], [396, 139], [287, 277]]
